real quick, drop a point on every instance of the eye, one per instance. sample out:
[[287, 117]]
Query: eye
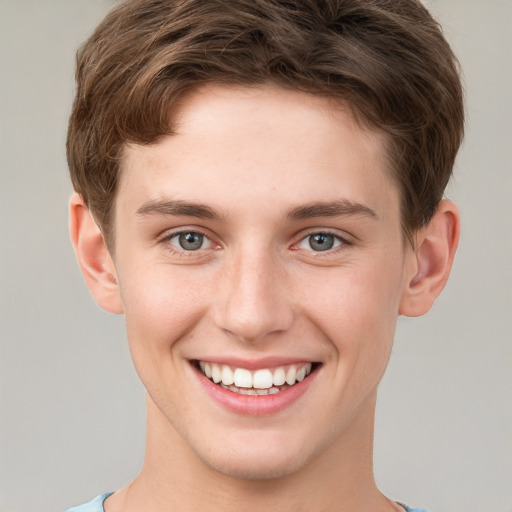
[[190, 241], [320, 242]]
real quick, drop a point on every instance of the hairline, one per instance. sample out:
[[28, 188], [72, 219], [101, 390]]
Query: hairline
[[340, 105]]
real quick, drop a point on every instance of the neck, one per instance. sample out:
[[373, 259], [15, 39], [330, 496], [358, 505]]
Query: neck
[[339, 479]]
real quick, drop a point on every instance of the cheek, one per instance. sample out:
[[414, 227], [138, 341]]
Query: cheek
[[161, 309], [357, 309]]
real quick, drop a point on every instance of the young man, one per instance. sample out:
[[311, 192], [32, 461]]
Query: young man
[[259, 190]]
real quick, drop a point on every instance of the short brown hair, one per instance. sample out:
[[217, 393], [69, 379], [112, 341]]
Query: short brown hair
[[387, 59]]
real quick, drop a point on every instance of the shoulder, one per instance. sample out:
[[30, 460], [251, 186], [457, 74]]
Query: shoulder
[[408, 509], [95, 505]]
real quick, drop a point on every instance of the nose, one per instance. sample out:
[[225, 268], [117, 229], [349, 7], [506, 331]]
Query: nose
[[253, 300]]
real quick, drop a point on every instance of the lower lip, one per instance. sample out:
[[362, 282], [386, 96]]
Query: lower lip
[[256, 405]]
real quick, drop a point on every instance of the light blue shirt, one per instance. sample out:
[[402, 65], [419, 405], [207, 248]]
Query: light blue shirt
[[96, 505]]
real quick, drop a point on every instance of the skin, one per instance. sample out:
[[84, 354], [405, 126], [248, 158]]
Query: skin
[[257, 288]]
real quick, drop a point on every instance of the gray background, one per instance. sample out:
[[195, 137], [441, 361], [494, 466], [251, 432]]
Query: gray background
[[72, 410]]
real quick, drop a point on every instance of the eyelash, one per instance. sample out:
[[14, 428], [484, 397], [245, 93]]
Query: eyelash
[[341, 242], [182, 252]]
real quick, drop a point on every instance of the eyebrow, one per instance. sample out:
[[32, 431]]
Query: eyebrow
[[341, 207], [178, 208]]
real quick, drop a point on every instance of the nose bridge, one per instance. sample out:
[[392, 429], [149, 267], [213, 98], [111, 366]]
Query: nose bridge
[[255, 301]]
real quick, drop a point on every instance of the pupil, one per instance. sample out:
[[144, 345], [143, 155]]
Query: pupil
[[321, 242], [191, 241]]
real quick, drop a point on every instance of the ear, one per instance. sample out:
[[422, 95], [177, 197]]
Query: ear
[[431, 260], [93, 256]]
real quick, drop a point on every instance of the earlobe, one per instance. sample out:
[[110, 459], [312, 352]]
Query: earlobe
[[93, 256], [431, 261]]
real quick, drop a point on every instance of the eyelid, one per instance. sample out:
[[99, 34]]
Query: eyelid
[[169, 234], [337, 242], [345, 241], [176, 237]]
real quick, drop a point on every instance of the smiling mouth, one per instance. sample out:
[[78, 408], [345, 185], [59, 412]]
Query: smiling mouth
[[264, 381]]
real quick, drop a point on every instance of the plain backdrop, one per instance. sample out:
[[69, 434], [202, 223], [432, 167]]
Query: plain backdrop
[[72, 410]]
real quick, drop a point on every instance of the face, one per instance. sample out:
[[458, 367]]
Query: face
[[260, 262]]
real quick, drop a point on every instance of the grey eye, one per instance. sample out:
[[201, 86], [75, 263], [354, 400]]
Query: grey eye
[[190, 241], [321, 241]]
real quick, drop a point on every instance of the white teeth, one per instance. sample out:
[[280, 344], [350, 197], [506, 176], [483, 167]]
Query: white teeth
[[291, 374], [262, 379], [227, 375], [260, 382], [279, 377], [243, 378], [216, 374]]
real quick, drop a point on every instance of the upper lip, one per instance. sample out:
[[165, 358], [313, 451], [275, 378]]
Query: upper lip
[[255, 364]]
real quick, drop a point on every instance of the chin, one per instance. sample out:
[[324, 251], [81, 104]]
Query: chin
[[257, 461], [256, 470]]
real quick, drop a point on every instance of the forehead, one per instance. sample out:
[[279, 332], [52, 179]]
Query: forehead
[[275, 146]]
